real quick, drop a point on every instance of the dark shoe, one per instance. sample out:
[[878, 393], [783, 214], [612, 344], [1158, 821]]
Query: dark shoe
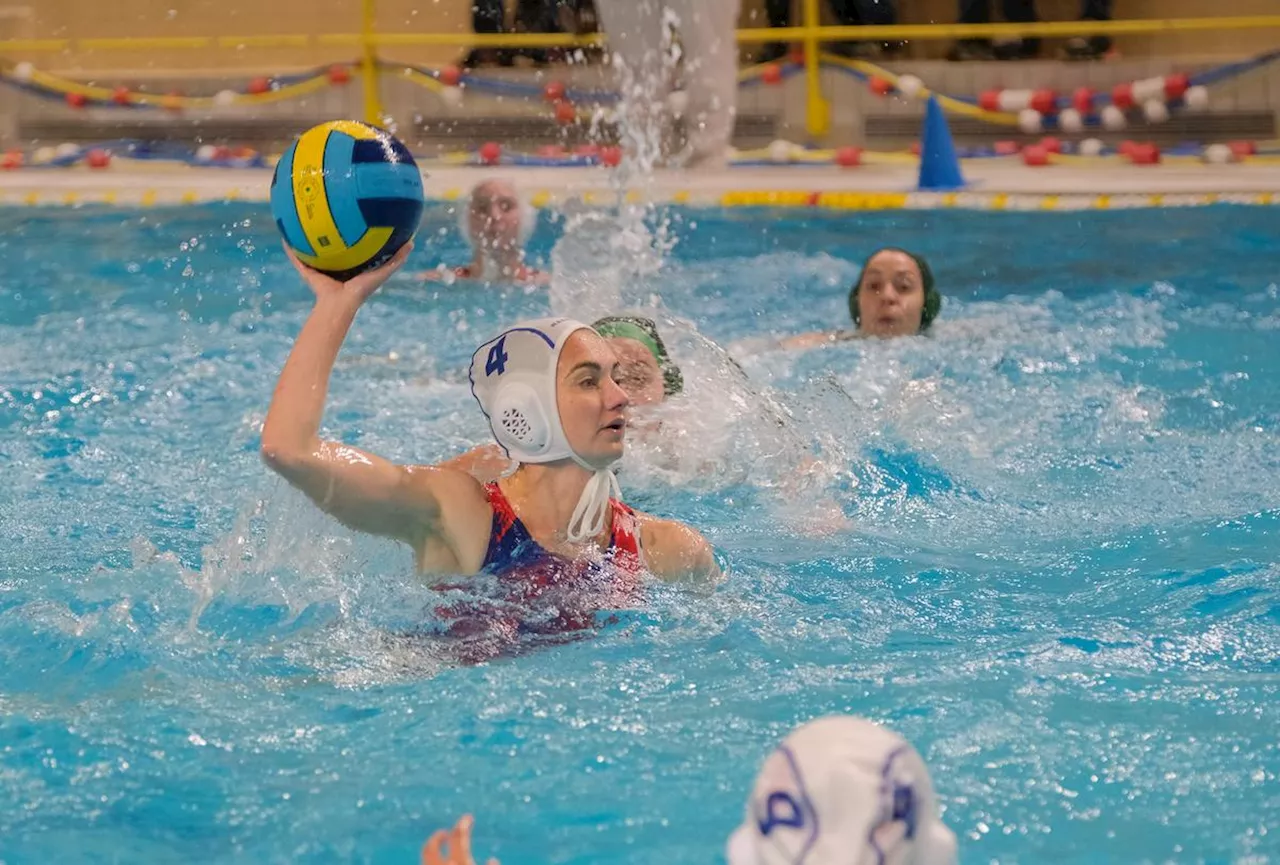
[[1016, 49], [1082, 48], [971, 49], [537, 56]]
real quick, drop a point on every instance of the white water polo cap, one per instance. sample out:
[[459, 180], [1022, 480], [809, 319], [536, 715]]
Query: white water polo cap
[[528, 217], [513, 377], [842, 790]]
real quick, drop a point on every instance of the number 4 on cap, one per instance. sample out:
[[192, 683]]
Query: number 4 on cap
[[497, 362]]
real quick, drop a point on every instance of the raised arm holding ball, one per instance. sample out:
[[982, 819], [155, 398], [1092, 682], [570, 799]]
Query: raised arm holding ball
[[549, 390]]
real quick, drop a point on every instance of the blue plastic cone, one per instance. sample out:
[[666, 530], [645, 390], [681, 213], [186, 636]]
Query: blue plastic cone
[[939, 167]]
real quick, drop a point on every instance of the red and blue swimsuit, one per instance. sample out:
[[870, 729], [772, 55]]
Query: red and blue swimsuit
[[541, 593]]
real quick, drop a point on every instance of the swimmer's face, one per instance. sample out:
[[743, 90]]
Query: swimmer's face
[[592, 404], [638, 371], [493, 216], [890, 295]]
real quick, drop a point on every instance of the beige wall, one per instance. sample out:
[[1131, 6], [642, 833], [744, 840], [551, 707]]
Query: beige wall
[[1232, 43], [76, 19], [73, 19]]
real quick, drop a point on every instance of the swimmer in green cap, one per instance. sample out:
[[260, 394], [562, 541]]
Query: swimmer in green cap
[[894, 296], [671, 436], [645, 371]]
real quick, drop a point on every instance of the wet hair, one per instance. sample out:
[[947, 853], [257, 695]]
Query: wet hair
[[932, 299], [645, 331]]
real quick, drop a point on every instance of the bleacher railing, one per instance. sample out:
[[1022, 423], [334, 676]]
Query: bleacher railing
[[810, 35]]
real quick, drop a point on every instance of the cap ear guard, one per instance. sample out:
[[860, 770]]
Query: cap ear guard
[[936, 843], [672, 379], [518, 417]]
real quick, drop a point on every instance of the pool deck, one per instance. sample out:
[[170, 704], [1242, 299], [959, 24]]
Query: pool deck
[[1001, 184]]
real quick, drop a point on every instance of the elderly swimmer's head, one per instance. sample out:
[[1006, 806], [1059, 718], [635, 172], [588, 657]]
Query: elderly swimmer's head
[[495, 220]]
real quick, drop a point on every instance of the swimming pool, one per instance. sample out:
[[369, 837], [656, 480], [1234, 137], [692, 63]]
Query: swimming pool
[[1062, 584]]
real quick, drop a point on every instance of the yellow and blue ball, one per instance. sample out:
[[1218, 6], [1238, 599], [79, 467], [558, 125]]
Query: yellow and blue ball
[[346, 196]]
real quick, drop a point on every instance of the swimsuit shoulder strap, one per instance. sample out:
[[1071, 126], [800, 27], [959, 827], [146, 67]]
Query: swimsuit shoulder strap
[[507, 534], [500, 504], [624, 541]]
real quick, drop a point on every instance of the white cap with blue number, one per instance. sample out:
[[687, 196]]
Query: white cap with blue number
[[842, 791], [513, 377]]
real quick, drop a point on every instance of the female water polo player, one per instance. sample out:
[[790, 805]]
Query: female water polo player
[[645, 371], [894, 296], [549, 391], [497, 223], [683, 442]]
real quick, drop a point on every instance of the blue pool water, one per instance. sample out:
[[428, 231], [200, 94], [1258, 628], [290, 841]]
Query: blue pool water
[[1061, 579]]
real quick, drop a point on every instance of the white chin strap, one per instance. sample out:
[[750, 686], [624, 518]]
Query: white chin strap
[[592, 512]]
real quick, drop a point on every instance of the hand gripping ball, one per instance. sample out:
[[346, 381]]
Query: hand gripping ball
[[346, 196]]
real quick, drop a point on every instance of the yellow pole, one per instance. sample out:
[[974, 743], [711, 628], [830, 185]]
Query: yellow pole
[[372, 101], [817, 112]]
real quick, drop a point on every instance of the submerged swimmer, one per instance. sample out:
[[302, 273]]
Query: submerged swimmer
[[554, 526], [838, 791], [497, 223], [894, 296]]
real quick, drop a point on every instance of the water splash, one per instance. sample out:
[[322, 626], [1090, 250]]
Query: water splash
[[1062, 586]]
